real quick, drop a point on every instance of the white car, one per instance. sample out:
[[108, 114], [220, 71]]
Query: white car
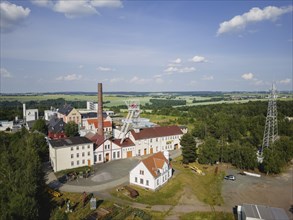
[[230, 177]]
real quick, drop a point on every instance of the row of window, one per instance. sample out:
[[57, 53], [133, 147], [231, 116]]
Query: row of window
[[164, 138], [78, 163], [82, 147], [141, 181], [73, 118], [116, 155], [82, 154]]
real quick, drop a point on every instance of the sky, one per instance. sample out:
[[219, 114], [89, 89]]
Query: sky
[[151, 46]]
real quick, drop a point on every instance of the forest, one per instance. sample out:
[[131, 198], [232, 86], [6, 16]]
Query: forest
[[233, 133], [22, 183]]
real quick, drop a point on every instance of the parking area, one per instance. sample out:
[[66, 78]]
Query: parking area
[[274, 191]]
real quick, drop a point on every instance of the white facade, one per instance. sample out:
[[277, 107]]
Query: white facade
[[91, 105], [5, 125], [49, 114], [110, 150], [70, 156], [154, 145], [151, 173], [31, 114]]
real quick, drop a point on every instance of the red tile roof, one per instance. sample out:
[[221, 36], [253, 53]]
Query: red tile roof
[[155, 162], [95, 122], [95, 138], [126, 143], [155, 132]]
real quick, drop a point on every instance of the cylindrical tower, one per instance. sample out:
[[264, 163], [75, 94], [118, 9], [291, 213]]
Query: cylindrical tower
[[100, 110]]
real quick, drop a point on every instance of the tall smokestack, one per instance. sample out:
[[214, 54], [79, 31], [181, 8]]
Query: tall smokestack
[[100, 110]]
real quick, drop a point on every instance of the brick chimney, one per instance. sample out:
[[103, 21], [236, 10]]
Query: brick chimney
[[100, 110]]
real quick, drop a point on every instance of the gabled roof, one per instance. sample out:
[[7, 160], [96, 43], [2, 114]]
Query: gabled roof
[[95, 138], [155, 162], [69, 141], [155, 132], [56, 125], [126, 143], [95, 122], [65, 109]]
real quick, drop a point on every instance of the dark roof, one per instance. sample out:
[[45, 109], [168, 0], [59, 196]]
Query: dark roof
[[92, 115], [69, 141], [126, 143], [56, 125], [155, 132], [264, 212], [65, 109], [95, 138]]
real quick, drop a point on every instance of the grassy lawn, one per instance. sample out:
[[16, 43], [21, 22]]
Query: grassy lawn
[[158, 118], [207, 216], [206, 188], [169, 194]]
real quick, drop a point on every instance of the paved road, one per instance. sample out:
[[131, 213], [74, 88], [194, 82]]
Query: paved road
[[107, 176]]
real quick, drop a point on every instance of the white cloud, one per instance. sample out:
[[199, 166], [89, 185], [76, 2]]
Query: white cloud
[[105, 69], [171, 69], [239, 22], [186, 70], [78, 8], [207, 78], [12, 16], [116, 80], [69, 77], [285, 81], [5, 73], [107, 3], [247, 76], [198, 59], [177, 61], [73, 9], [137, 80]]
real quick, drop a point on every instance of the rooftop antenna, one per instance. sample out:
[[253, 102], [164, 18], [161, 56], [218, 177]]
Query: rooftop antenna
[[271, 126], [131, 118]]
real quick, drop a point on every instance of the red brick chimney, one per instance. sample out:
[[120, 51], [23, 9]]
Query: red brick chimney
[[100, 110]]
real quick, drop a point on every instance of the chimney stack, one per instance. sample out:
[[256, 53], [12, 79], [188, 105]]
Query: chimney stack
[[100, 110]]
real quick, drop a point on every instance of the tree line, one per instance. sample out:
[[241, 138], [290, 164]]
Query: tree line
[[22, 185], [233, 133]]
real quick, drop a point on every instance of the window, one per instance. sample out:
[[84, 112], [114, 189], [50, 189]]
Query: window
[[77, 155], [71, 148], [83, 147], [147, 182], [151, 140], [141, 181], [141, 172], [100, 157], [77, 162], [135, 179], [88, 147], [83, 161], [89, 153], [118, 154], [158, 182], [71, 155], [77, 148], [114, 155], [72, 163], [83, 154]]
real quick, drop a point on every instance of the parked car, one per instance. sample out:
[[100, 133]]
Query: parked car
[[230, 177]]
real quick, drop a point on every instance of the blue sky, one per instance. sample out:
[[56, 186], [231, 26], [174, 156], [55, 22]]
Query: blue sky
[[55, 45]]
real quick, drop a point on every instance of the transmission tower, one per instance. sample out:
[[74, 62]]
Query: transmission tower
[[271, 127]]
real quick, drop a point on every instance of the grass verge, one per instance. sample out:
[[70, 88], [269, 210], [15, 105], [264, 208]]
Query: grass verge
[[207, 216]]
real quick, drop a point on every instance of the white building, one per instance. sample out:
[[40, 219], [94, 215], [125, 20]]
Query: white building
[[112, 150], [6, 125], [152, 172], [49, 114], [91, 105], [31, 115], [156, 139], [73, 152]]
